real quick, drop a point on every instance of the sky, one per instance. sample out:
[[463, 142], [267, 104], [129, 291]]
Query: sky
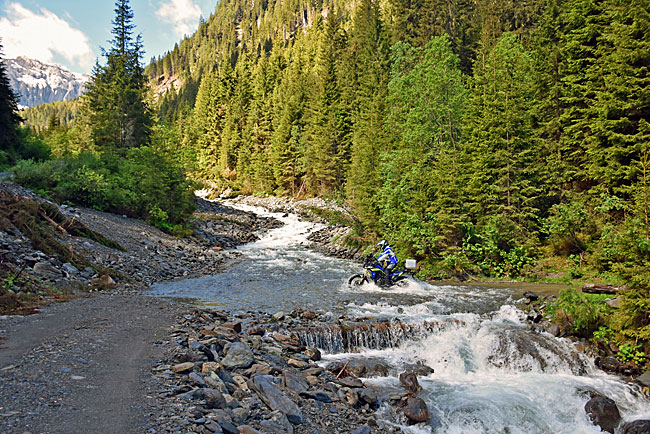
[[71, 32]]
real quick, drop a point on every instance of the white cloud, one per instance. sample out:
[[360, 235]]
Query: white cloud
[[42, 35], [182, 14]]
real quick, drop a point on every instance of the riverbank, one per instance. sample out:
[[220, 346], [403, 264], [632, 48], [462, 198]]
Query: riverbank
[[116, 361]]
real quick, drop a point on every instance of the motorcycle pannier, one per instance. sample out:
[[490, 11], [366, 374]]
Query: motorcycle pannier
[[411, 264]]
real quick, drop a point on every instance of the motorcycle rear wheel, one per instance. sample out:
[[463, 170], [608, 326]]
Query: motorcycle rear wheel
[[357, 280]]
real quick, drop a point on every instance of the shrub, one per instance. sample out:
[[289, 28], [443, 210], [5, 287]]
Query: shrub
[[143, 181], [580, 313], [494, 248]]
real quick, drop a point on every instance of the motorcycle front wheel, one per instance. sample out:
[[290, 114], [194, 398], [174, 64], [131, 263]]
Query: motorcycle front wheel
[[357, 280]]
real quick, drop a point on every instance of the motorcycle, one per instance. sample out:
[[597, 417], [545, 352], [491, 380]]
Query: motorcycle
[[374, 272]]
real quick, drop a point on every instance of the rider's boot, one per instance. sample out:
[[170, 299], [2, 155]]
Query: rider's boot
[[387, 281]]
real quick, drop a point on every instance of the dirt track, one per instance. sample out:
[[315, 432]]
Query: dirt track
[[83, 366]]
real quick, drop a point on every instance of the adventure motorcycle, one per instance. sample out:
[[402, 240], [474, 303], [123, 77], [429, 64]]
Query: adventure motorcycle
[[374, 272]]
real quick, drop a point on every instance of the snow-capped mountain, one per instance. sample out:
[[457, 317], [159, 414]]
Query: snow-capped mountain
[[37, 83]]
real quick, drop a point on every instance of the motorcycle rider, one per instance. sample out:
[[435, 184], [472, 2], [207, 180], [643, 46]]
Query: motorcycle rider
[[387, 260]]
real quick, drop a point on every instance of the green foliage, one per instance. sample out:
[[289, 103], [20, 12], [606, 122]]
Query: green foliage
[[40, 118], [134, 185], [579, 313], [628, 352], [604, 334], [493, 249], [566, 226]]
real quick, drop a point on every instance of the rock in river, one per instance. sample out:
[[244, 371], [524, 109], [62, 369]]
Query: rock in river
[[416, 410], [603, 412]]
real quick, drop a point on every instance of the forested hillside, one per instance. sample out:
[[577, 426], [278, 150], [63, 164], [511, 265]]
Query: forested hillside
[[482, 136]]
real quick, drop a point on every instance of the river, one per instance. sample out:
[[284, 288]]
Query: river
[[491, 373]]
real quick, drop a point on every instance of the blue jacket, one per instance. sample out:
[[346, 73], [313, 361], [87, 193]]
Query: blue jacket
[[387, 254]]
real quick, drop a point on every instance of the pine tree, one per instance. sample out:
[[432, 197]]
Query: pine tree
[[620, 128], [9, 118], [503, 152], [114, 103], [370, 51], [580, 77]]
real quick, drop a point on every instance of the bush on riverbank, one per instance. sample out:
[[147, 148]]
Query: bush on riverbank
[[144, 184], [623, 332]]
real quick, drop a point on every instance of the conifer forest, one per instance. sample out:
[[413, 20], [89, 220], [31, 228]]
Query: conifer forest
[[490, 138]]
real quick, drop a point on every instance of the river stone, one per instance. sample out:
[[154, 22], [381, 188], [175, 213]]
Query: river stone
[[644, 379], [314, 354], [209, 367], [410, 381], [416, 410], [245, 429], [602, 411], [196, 379], [318, 395], [350, 382], [182, 367], [636, 427], [47, 270], [278, 423], [238, 355], [70, 269], [365, 429], [275, 399], [294, 381], [240, 415], [215, 382], [369, 396], [609, 363], [228, 428], [214, 398]]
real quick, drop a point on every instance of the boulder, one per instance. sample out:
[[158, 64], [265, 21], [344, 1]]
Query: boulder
[[603, 412], [609, 363], [238, 355], [294, 381], [275, 399], [410, 381], [636, 427], [644, 379], [46, 270], [278, 423], [214, 398], [416, 410]]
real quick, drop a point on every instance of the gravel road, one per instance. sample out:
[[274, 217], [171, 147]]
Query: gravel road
[[83, 366]]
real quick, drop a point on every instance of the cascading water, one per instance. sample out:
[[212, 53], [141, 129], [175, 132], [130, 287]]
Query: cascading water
[[491, 373]]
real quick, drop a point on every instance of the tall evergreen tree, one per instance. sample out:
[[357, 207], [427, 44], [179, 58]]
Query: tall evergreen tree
[[368, 42], [9, 118], [502, 147], [114, 103]]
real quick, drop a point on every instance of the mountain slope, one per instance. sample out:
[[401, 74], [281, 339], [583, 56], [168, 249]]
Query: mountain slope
[[37, 83]]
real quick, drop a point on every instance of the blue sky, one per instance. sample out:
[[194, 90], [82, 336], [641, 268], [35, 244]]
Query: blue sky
[[70, 32]]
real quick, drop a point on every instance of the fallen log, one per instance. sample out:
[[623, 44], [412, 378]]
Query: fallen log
[[600, 288]]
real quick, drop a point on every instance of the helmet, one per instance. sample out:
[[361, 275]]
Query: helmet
[[382, 244]]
